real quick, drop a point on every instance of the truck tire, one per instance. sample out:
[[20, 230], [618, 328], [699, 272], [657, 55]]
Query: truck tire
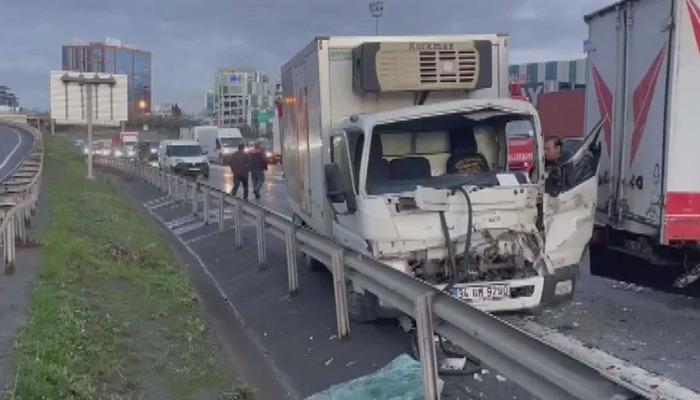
[[363, 307], [313, 264]]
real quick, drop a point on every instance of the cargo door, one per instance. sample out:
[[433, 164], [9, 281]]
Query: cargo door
[[570, 202], [640, 190], [682, 211], [606, 48]]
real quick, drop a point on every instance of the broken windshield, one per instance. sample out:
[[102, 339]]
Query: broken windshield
[[443, 151]]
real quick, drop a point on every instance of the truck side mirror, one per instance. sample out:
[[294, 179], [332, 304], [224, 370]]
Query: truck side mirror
[[336, 189]]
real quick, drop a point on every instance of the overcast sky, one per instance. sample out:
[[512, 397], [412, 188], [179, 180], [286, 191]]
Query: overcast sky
[[190, 39]]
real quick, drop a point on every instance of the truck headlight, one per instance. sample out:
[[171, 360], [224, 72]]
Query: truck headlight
[[131, 153], [117, 153], [154, 151]]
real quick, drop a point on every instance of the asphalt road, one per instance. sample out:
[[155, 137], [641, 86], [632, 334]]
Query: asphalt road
[[15, 144], [654, 330]]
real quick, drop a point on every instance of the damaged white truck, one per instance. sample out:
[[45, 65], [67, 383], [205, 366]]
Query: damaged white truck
[[397, 148]]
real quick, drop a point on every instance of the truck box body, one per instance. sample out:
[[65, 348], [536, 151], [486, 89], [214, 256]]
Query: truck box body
[[562, 113], [318, 92], [644, 83], [122, 139]]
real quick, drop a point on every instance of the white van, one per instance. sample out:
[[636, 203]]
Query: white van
[[220, 144], [183, 156]]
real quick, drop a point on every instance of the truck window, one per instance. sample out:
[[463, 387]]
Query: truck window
[[341, 157], [441, 151]]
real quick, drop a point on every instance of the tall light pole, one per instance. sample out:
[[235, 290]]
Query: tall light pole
[[376, 8]]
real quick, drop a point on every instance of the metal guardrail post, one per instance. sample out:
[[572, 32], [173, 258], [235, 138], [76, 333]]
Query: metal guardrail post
[[21, 224], [290, 242], [195, 206], [222, 208], [238, 224], [426, 346], [260, 224], [341, 293], [170, 185], [205, 205], [9, 247]]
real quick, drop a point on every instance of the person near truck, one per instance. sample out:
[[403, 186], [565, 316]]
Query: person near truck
[[258, 166], [561, 173], [240, 167]]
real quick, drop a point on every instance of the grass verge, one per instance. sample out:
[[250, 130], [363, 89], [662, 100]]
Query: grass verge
[[112, 316]]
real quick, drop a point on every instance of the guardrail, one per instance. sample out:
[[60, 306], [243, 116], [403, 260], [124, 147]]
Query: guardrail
[[534, 365], [19, 194]]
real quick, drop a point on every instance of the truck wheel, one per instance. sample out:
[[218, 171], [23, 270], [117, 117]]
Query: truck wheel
[[362, 307], [313, 264]]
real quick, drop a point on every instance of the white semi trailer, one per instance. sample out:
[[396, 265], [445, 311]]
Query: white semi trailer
[[397, 147], [644, 83]]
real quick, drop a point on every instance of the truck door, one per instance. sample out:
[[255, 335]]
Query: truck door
[[605, 50], [648, 32], [345, 219], [570, 202]]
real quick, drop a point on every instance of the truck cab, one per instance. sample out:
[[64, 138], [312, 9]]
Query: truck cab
[[429, 191]]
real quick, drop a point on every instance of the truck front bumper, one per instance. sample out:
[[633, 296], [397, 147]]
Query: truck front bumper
[[191, 169], [525, 294]]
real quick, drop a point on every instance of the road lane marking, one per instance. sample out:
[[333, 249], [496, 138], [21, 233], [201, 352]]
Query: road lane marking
[[283, 379], [189, 228], [14, 150], [208, 235]]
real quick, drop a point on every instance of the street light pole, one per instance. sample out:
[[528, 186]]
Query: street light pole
[[88, 120], [376, 9]]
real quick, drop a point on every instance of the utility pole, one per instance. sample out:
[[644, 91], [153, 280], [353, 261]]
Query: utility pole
[[90, 84], [376, 9], [88, 120]]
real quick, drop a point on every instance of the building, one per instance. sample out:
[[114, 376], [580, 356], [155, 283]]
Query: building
[[114, 57], [551, 76], [165, 110], [8, 100], [241, 98], [556, 88]]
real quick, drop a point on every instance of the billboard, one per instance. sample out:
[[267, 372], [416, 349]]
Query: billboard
[[69, 98]]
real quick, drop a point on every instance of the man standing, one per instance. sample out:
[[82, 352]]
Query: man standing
[[240, 167], [258, 166]]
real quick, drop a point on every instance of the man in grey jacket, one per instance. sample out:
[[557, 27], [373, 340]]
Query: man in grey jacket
[[240, 168]]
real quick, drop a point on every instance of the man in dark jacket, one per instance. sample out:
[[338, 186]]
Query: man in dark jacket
[[561, 174], [240, 167], [258, 166]]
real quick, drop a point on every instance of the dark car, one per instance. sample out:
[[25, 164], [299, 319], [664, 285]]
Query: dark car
[[147, 151]]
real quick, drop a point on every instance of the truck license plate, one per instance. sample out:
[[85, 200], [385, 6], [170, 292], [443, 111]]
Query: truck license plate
[[484, 292]]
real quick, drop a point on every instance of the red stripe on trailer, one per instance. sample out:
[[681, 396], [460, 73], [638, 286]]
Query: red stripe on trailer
[[642, 98], [605, 102], [694, 12], [682, 221]]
